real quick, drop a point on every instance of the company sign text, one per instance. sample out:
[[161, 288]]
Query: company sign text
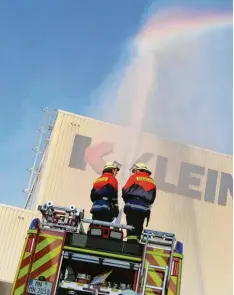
[[189, 174]]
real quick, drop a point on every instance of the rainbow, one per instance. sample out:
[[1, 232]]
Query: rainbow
[[169, 24]]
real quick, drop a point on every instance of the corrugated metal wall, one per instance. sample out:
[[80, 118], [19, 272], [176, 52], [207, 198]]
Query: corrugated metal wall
[[14, 223], [204, 227]]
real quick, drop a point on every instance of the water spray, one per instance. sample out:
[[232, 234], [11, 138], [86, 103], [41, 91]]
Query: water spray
[[159, 33]]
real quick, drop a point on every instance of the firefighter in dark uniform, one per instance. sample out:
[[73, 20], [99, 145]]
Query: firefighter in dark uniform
[[104, 194], [138, 194]]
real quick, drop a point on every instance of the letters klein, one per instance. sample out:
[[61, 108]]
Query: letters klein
[[191, 175]]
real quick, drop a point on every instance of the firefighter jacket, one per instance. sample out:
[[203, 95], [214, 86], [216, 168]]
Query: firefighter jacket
[[139, 192], [104, 193]]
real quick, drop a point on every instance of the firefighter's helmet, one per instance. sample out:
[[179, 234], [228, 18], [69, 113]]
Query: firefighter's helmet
[[112, 165], [141, 167]]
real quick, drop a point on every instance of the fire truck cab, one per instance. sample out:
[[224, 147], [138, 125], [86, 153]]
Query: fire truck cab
[[60, 258]]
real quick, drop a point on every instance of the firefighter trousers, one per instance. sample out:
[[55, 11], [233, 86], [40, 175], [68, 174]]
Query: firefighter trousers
[[103, 216], [136, 219]]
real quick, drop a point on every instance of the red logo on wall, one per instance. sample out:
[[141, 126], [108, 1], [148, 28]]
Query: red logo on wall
[[94, 155]]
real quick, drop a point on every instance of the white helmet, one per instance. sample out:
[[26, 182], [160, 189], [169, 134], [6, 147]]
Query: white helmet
[[112, 165], [141, 167]]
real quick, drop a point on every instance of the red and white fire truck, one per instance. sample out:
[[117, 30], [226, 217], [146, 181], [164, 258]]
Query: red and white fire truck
[[59, 258]]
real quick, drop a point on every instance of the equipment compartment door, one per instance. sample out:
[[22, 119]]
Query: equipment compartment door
[[47, 257]]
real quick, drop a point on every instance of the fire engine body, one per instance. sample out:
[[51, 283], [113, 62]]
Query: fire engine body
[[60, 258]]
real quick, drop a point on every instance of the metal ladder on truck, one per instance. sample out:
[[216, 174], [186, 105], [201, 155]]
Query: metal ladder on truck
[[159, 240]]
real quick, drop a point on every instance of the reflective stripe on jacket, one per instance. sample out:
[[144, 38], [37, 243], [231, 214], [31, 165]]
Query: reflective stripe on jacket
[[100, 205], [137, 205]]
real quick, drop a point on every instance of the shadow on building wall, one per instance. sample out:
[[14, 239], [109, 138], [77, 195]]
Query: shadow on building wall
[[5, 288]]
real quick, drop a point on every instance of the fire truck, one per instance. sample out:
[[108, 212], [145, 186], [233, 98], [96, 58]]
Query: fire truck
[[61, 258]]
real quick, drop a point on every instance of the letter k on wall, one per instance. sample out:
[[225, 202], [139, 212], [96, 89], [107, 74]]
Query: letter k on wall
[[94, 155], [83, 153]]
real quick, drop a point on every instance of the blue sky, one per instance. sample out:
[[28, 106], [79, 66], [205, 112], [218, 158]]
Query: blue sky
[[56, 53]]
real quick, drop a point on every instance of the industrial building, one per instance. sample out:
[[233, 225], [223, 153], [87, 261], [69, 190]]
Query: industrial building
[[194, 198]]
